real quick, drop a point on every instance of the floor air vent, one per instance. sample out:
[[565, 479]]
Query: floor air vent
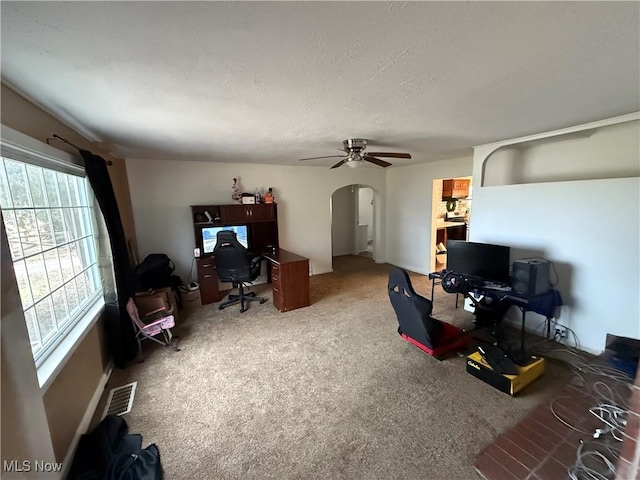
[[120, 400]]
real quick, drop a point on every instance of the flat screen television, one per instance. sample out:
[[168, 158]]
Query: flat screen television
[[210, 236], [482, 260]]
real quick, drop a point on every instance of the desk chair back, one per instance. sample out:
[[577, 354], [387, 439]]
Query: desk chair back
[[236, 265], [233, 261]]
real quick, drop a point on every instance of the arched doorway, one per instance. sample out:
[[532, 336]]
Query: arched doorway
[[353, 226]]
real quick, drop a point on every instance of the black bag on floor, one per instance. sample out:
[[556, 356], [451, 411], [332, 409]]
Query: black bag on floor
[[110, 453], [143, 466]]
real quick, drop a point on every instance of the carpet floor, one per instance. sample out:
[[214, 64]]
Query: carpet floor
[[328, 391]]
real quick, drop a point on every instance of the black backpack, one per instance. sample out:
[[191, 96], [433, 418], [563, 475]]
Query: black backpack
[[155, 271]]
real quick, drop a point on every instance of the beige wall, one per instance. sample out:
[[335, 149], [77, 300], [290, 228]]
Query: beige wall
[[80, 376], [67, 398], [303, 195], [410, 230]]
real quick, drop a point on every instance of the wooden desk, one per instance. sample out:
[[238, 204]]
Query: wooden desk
[[289, 275], [287, 272]]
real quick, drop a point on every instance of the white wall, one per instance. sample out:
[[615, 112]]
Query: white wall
[[589, 228], [365, 209], [343, 207], [606, 152], [409, 210], [162, 191]]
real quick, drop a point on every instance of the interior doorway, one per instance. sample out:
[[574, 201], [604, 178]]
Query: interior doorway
[[364, 234], [353, 228], [450, 217]]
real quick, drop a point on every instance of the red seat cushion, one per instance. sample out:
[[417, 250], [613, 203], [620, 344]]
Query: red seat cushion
[[451, 339]]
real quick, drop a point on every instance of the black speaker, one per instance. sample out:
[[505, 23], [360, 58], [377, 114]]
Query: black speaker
[[531, 277]]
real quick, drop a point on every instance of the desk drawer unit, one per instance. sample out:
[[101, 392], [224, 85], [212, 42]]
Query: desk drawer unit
[[290, 282], [208, 280], [276, 283]]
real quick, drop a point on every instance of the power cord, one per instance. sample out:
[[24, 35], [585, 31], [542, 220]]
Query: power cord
[[595, 461], [558, 338], [610, 406], [615, 419], [193, 262]]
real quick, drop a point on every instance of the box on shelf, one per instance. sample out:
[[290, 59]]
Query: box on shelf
[[248, 199]]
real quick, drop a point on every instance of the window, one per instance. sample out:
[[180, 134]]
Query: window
[[48, 219]]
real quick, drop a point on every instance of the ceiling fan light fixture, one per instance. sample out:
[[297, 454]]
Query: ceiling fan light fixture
[[356, 155]]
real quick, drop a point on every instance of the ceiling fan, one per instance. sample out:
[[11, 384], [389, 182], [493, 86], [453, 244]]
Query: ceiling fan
[[356, 155]]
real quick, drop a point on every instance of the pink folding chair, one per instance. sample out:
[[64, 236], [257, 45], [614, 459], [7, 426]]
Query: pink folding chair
[[155, 323]]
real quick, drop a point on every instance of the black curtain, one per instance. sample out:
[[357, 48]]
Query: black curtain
[[120, 336]]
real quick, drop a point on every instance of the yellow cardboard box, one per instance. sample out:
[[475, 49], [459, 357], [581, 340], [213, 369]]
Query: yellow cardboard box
[[510, 384]]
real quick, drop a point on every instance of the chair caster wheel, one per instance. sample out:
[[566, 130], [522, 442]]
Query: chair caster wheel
[[242, 310], [263, 301], [220, 308]]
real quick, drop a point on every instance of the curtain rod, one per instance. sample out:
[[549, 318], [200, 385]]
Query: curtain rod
[[60, 139]]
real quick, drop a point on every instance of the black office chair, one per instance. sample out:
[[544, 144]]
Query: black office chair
[[236, 265]]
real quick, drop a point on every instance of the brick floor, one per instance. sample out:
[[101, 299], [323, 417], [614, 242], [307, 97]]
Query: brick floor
[[541, 447]]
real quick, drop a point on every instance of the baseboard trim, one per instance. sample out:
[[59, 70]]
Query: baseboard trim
[[86, 420]]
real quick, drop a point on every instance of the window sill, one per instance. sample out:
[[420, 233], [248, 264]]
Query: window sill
[[55, 362]]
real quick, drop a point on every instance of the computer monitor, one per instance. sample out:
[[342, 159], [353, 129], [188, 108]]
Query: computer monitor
[[210, 236], [482, 260]]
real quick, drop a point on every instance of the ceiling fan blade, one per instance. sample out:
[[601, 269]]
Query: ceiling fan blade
[[389, 154], [338, 164], [377, 161], [317, 158]]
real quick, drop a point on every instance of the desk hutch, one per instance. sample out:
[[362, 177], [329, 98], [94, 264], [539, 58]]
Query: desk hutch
[[288, 272]]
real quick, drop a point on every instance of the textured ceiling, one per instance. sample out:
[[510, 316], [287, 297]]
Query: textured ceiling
[[274, 82]]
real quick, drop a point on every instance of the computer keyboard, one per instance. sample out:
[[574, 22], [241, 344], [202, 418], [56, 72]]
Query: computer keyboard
[[498, 361]]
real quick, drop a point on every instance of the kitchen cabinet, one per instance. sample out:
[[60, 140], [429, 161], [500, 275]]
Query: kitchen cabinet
[[451, 232], [455, 188], [457, 232]]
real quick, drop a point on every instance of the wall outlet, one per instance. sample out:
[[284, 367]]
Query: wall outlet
[[196, 252], [561, 332]]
